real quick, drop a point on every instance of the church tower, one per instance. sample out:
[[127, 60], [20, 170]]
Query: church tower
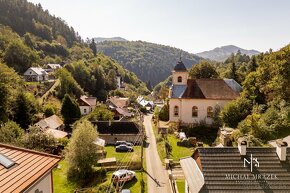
[[179, 74]]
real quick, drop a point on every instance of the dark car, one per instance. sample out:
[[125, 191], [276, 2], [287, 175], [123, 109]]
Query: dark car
[[123, 143], [124, 148]]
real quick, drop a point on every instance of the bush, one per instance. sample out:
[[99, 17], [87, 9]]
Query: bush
[[235, 111], [164, 113], [49, 110]]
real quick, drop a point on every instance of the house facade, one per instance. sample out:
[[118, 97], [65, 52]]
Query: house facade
[[87, 104], [35, 74], [195, 100], [24, 170]]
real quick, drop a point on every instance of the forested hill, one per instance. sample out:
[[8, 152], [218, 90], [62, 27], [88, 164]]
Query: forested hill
[[30, 36], [24, 17], [149, 61]]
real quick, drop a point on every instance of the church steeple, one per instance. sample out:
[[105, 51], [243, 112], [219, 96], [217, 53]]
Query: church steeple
[[179, 73]]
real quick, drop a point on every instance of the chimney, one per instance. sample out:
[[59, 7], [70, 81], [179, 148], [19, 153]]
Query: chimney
[[281, 149], [242, 146]]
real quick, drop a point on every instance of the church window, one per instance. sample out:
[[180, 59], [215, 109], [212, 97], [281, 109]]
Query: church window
[[209, 112], [194, 111], [176, 111]]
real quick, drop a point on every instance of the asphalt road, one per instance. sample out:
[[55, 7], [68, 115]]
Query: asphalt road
[[157, 176]]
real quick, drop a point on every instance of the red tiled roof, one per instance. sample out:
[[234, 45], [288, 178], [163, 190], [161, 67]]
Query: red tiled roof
[[30, 166], [209, 89]]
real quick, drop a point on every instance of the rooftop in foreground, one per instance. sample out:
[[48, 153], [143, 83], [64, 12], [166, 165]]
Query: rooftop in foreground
[[28, 166]]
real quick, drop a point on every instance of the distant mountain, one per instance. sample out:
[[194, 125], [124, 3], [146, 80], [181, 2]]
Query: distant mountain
[[222, 53], [149, 61], [101, 39]]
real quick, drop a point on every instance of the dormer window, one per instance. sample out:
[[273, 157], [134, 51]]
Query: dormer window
[[179, 79]]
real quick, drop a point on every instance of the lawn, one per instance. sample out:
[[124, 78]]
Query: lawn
[[61, 185], [178, 151], [180, 185], [124, 156]]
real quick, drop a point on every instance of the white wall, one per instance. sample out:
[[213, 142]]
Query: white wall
[[44, 185], [175, 76], [88, 109], [30, 73], [185, 109]]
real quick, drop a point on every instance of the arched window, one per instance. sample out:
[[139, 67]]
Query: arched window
[[179, 79], [194, 111], [176, 111], [209, 112]]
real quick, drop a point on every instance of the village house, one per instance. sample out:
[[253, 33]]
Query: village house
[[52, 67], [195, 100], [112, 131], [87, 104], [238, 169], [52, 125], [119, 106], [35, 74], [24, 170], [149, 105]]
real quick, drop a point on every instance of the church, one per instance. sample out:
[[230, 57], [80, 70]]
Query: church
[[192, 101]]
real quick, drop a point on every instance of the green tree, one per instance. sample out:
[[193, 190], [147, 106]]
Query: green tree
[[236, 111], [203, 70], [49, 110], [68, 85], [101, 113], [111, 80], [37, 139], [70, 110], [81, 152], [93, 47], [24, 110], [19, 56], [11, 133]]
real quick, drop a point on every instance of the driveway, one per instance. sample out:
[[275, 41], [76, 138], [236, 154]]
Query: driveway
[[157, 176]]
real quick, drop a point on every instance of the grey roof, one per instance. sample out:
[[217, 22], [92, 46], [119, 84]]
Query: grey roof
[[192, 173], [177, 91], [233, 84], [180, 66], [217, 163]]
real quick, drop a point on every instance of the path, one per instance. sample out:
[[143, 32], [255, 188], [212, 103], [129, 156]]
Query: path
[[157, 176]]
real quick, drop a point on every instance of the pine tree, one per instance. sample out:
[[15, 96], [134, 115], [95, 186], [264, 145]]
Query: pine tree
[[70, 110], [93, 47], [23, 111]]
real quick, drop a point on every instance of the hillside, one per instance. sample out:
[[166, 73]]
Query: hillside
[[101, 39], [222, 53], [150, 62], [30, 36]]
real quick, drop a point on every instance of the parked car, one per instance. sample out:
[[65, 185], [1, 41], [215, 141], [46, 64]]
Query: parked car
[[126, 191], [123, 176], [123, 143], [124, 148]]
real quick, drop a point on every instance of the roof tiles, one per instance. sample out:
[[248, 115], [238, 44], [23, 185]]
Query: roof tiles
[[30, 166]]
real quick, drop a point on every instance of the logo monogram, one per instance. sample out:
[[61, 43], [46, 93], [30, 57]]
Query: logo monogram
[[250, 162]]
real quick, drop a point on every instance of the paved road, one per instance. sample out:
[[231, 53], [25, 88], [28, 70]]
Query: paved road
[[156, 174]]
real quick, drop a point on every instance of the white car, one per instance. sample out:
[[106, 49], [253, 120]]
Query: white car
[[123, 176]]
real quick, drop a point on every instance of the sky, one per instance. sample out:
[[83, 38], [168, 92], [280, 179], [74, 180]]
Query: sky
[[191, 25]]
